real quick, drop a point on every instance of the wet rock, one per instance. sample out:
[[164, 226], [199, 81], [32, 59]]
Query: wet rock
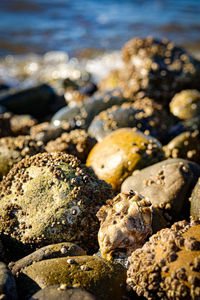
[[186, 104], [14, 149], [7, 284], [35, 101], [145, 114], [195, 201], [62, 292], [82, 115], [47, 252], [125, 225], [168, 266], [167, 184], [77, 142], [121, 152], [157, 69], [104, 279], [51, 198], [185, 145]]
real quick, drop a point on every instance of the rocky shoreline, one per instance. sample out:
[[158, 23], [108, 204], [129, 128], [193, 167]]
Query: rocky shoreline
[[99, 190]]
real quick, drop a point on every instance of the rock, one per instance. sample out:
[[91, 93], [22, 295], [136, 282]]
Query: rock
[[186, 104], [167, 184], [35, 101], [145, 114], [77, 142], [21, 124], [14, 149], [51, 198], [125, 225], [5, 128], [61, 292], [195, 201], [168, 266], [7, 284], [102, 278], [81, 115], [157, 69], [121, 152], [47, 252], [186, 145]]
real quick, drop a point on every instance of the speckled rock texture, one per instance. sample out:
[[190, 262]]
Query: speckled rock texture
[[168, 185], [121, 152], [144, 114], [76, 142], [14, 149], [157, 69], [168, 266], [185, 145], [51, 198], [104, 279], [125, 225]]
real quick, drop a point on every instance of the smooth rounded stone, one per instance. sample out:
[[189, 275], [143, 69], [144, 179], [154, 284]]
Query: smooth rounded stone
[[167, 184], [60, 292], [168, 265], [77, 142], [195, 201], [21, 124], [185, 145], [47, 252], [48, 199], [121, 152], [157, 68], [186, 104], [14, 149], [102, 278], [8, 289], [82, 115], [35, 101], [145, 114], [5, 128], [125, 224]]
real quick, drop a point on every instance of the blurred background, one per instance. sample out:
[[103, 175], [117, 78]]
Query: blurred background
[[40, 38], [42, 25]]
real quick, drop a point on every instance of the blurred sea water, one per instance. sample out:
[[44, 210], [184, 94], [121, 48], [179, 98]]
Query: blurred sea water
[[29, 29]]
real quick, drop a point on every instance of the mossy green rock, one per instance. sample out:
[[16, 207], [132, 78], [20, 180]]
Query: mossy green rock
[[104, 279], [195, 201], [59, 292], [47, 252], [167, 184], [51, 198]]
